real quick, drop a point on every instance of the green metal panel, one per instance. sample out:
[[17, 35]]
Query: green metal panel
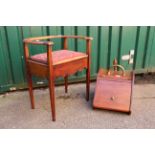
[[152, 54], [128, 41], [103, 46], [70, 30], [148, 46], [109, 42], [35, 31], [114, 43], [55, 30], [140, 47], [93, 31], [81, 44], [15, 53], [5, 66]]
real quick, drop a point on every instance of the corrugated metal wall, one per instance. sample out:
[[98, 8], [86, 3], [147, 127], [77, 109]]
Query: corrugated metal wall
[[108, 43]]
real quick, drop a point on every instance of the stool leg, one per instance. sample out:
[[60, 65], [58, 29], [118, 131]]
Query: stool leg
[[30, 85], [87, 83], [52, 98], [66, 84]]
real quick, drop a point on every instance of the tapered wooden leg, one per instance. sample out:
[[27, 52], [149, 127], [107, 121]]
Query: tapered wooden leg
[[66, 84], [87, 83], [88, 50], [52, 98], [30, 85]]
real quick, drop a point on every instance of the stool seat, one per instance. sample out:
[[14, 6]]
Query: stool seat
[[61, 56]]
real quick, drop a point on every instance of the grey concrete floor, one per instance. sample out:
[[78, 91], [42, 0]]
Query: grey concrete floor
[[73, 111]]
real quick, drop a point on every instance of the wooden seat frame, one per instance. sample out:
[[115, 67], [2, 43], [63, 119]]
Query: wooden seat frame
[[51, 71]]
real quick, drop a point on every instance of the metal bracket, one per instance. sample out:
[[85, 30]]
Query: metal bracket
[[129, 57], [40, 82], [12, 88]]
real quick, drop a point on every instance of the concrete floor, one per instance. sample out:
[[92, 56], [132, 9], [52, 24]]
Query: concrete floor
[[73, 111]]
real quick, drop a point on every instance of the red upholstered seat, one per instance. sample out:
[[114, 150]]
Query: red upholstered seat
[[60, 56]]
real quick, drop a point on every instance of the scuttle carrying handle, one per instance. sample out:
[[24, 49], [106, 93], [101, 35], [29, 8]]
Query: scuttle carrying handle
[[115, 72]]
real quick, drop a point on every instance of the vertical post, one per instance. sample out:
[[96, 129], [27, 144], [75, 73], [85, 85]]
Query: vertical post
[[29, 76], [88, 50], [66, 77], [66, 84], [65, 43], [51, 80]]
